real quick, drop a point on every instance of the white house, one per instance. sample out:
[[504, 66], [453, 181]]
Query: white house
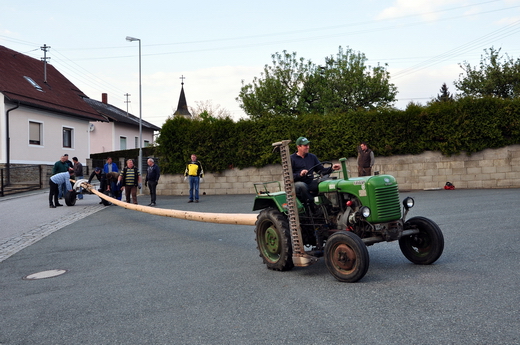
[[42, 114], [122, 130]]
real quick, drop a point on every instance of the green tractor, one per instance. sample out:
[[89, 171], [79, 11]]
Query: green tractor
[[351, 214]]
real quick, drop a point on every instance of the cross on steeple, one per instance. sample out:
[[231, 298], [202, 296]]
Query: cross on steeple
[[182, 79]]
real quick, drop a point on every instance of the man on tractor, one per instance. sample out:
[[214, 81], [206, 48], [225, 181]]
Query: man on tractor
[[304, 164]]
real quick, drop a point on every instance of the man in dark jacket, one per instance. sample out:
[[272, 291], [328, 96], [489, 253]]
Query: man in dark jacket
[[365, 160], [101, 176], [78, 173], [152, 179]]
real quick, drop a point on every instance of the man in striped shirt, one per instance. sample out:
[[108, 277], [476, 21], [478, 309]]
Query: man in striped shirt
[[130, 180]]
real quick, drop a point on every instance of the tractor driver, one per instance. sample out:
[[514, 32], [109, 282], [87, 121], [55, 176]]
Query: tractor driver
[[301, 162]]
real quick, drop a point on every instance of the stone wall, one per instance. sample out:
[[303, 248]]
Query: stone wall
[[23, 174], [492, 168]]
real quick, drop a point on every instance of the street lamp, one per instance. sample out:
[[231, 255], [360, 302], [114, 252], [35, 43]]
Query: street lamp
[[140, 164]]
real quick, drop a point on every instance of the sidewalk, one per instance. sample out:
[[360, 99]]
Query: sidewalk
[[26, 218]]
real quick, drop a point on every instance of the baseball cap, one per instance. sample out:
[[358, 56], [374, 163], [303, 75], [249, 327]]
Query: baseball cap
[[302, 141], [97, 169]]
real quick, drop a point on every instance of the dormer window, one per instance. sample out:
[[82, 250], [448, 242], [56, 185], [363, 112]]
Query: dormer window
[[33, 83]]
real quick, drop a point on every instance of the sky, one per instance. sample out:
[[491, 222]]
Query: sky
[[217, 45]]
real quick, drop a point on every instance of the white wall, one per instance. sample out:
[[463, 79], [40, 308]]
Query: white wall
[[3, 109], [51, 148], [102, 137], [105, 137]]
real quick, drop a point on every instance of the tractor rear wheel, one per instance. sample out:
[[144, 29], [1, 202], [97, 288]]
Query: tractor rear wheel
[[273, 240], [346, 256], [425, 247]]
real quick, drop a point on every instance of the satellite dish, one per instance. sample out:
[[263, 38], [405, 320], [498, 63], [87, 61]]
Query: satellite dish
[[91, 127]]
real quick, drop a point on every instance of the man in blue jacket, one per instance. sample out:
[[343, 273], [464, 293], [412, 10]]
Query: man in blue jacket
[[110, 166]]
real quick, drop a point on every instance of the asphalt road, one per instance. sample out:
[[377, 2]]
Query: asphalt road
[[134, 278]]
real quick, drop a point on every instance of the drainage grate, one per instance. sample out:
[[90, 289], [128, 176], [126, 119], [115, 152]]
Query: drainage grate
[[44, 274]]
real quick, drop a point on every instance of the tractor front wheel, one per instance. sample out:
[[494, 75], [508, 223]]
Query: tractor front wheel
[[346, 257], [425, 247], [274, 240]]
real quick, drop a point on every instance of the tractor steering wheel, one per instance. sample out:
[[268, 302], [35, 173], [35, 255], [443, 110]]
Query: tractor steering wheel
[[315, 175]]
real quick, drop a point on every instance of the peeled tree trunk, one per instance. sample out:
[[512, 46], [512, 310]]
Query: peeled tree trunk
[[219, 218]]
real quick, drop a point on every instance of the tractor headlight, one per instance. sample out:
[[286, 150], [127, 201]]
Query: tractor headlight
[[408, 203], [365, 212]]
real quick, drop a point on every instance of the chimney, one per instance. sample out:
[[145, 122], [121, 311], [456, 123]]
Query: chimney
[[104, 98]]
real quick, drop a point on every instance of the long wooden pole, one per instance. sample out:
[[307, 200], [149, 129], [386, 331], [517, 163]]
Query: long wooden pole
[[219, 218]]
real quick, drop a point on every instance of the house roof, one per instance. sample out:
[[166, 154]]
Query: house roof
[[118, 115], [22, 80]]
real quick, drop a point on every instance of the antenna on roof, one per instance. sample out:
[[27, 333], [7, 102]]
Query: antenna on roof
[[44, 59], [127, 101]]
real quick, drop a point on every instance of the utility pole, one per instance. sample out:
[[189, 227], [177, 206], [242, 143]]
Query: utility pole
[[127, 101], [44, 59]]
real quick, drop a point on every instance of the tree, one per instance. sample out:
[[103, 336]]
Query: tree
[[496, 76], [445, 95], [349, 84], [293, 86], [278, 90], [206, 109]]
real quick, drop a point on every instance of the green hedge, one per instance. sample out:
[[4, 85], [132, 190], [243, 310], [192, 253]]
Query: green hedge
[[466, 125]]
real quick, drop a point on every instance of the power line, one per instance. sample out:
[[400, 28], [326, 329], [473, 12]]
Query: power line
[[503, 32], [85, 76], [304, 39]]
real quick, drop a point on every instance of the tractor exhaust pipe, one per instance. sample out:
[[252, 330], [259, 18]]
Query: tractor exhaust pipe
[[343, 162]]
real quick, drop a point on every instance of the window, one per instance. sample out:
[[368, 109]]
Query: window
[[146, 143], [33, 83], [122, 143], [35, 133], [136, 142], [68, 137]]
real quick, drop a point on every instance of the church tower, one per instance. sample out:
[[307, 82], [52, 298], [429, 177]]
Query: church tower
[[182, 107]]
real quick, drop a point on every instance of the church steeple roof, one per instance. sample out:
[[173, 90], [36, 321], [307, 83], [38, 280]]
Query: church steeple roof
[[182, 107]]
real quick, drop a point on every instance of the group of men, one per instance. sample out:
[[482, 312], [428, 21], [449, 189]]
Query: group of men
[[129, 179], [59, 182], [114, 182]]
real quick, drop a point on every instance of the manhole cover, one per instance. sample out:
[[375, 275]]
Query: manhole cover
[[44, 274]]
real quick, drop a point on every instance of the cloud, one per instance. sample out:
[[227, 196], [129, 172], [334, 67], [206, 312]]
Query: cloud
[[508, 20], [422, 86], [426, 9]]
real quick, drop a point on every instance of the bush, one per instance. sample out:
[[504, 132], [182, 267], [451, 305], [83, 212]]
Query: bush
[[468, 125]]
